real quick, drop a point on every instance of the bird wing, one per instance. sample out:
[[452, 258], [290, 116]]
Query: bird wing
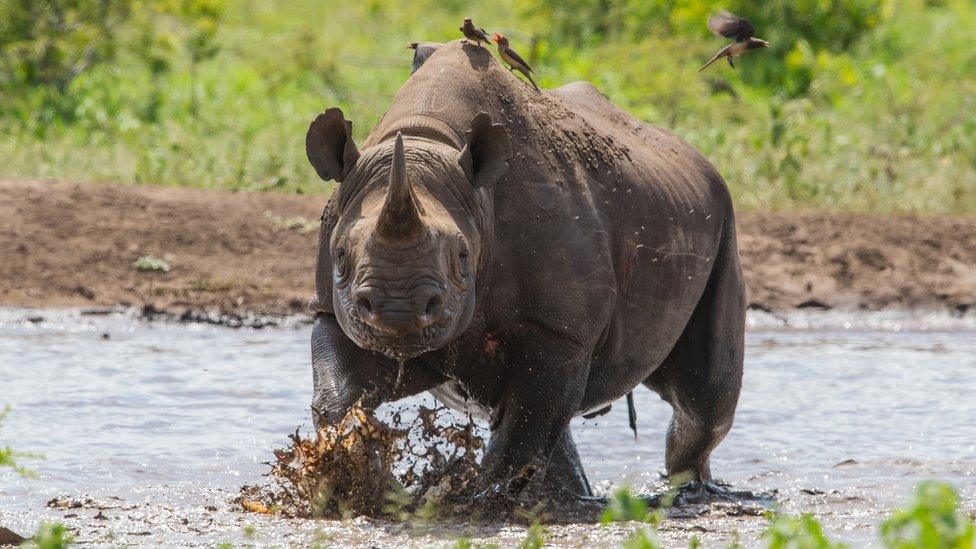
[[516, 57], [728, 25], [423, 51]]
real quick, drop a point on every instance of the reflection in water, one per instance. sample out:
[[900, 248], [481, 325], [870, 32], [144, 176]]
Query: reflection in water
[[169, 412]]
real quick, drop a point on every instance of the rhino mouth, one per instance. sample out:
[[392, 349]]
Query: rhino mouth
[[398, 348], [403, 352]]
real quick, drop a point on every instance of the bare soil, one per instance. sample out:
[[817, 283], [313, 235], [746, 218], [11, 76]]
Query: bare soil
[[76, 245]]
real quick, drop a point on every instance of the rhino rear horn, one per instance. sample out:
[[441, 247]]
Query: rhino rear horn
[[400, 217]]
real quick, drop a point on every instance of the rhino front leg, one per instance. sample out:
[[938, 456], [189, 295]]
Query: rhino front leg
[[565, 474], [343, 373], [530, 431]]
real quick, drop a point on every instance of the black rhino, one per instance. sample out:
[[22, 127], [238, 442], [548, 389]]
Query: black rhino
[[529, 256]]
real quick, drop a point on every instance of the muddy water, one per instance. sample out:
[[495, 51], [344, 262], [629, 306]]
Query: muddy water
[[159, 424]]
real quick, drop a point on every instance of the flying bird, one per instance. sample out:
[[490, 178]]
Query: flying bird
[[739, 30], [474, 34], [421, 51], [510, 56]]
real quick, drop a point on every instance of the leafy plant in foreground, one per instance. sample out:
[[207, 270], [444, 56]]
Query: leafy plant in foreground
[[932, 520], [8, 456], [148, 263], [534, 537], [802, 532], [50, 536], [624, 506]]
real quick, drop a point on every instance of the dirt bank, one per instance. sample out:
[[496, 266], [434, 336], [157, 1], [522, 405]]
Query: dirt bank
[[77, 244]]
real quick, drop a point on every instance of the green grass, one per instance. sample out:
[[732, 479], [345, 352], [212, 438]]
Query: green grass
[[933, 519], [802, 532], [149, 263], [50, 536], [859, 106], [9, 457]]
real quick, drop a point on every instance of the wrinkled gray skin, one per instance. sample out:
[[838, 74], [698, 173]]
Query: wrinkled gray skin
[[532, 257]]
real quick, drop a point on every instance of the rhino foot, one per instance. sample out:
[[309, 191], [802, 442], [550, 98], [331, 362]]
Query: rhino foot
[[704, 495]]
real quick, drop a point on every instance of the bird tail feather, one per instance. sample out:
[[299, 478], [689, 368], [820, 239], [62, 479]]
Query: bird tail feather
[[710, 61]]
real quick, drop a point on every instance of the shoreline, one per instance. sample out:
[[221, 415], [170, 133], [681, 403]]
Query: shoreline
[[757, 321], [247, 258]]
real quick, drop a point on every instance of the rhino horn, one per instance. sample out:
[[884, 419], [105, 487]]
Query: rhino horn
[[400, 217]]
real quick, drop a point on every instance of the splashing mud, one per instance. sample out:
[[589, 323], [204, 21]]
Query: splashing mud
[[362, 466]]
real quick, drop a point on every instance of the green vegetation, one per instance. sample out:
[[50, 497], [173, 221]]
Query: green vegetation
[[9, 456], [535, 537], [50, 536], [149, 263], [624, 506], [859, 105], [803, 532], [297, 223], [932, 520]]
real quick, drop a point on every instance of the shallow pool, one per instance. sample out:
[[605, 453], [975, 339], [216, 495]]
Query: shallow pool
[[161, 423]]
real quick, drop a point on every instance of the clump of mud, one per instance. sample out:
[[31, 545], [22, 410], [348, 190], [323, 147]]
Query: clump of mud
[[362, 466]]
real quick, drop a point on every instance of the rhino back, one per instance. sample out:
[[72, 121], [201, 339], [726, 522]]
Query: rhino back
[[573, 149]]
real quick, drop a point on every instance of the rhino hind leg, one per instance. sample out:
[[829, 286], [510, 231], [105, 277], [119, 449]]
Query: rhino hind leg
[[702, 376]]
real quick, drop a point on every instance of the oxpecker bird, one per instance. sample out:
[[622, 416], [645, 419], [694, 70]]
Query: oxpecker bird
[[739, 30], [472, 33], [421, 51], [510, 56]]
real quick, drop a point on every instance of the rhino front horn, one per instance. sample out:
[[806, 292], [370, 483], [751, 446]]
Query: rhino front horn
[[400, 217]]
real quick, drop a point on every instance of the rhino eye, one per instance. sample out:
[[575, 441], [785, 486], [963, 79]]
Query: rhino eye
[[339, 265], [459, 268]]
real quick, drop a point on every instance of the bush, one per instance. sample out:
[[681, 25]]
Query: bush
[[859, 105], [148, 263], [803, 532], [45, 46], [9, 456], [932, 520], [51, 536]]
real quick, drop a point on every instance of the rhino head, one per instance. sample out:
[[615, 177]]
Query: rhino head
[[411, 232]]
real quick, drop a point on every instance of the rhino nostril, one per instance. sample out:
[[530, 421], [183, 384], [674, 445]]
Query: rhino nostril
[[433, 306], [365, 307]]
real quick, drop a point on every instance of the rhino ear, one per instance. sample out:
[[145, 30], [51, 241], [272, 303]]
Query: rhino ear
[[484, 157], [329, 145]]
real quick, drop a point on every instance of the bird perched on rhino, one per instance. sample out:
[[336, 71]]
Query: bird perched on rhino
[[510, 56], [474, 34], [739, 30], [421, 51]]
